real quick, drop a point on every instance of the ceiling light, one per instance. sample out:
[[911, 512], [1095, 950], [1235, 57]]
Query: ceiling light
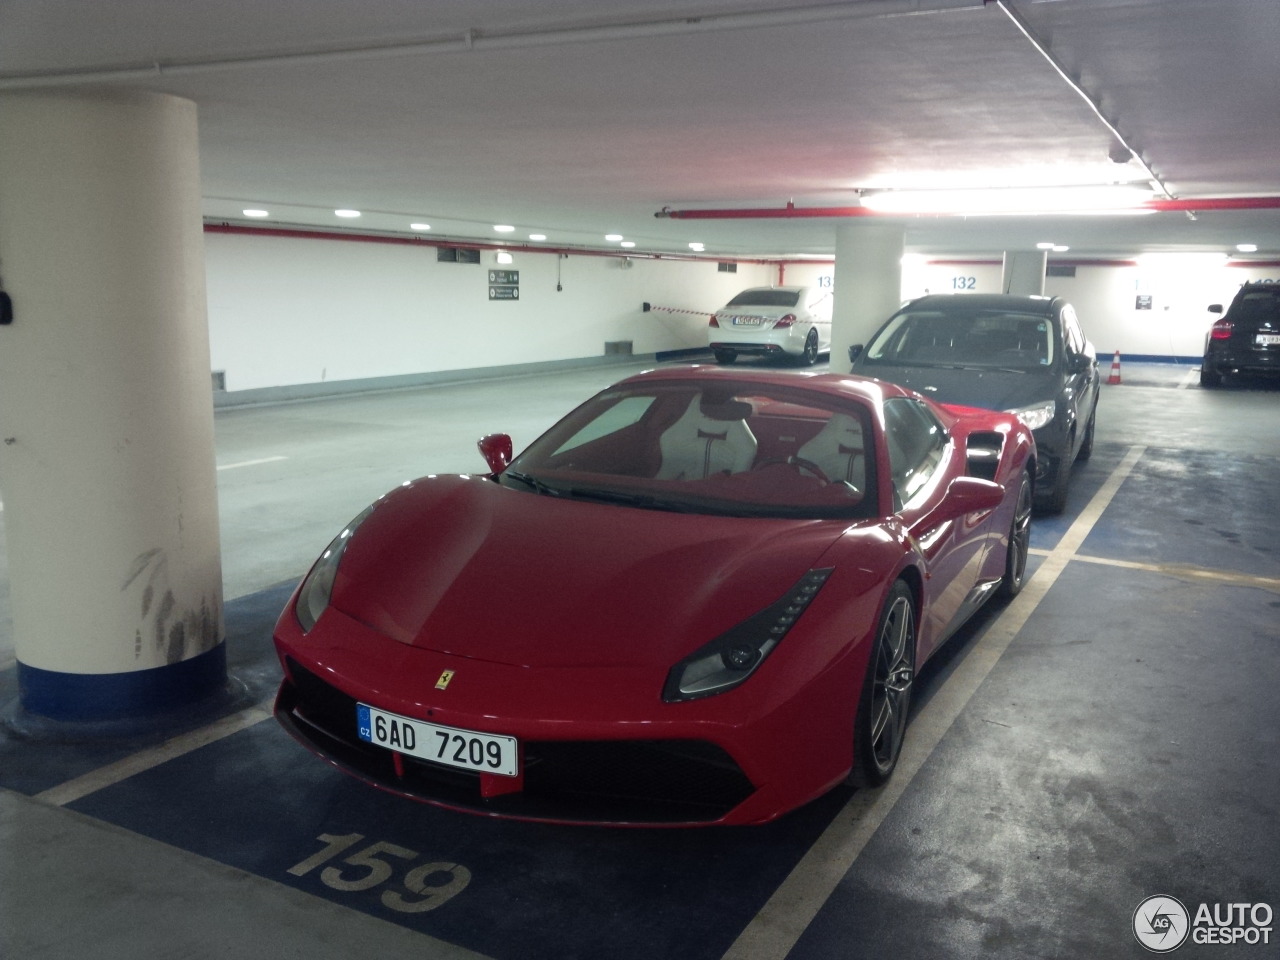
[[1060, 248], [419, 226], [1240, 247], [627, 243], [697, 247], [537, 236], [613, 237], [1045, 245], [503, 228], [255, 213], [504, 257], [1107, 198], [347, 214]]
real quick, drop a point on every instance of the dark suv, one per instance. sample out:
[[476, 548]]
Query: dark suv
[[1247, 338], [1025, 355]]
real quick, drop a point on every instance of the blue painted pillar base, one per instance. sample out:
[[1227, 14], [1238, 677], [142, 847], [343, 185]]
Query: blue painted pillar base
[[61, 705]]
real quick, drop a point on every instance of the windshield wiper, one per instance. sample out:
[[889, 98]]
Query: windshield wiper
[[533, 483], [641, 500]]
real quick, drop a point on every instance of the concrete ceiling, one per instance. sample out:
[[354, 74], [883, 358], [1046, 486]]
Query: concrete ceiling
[[578, 118]]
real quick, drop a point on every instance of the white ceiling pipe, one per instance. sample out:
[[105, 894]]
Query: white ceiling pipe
[[484, 40]]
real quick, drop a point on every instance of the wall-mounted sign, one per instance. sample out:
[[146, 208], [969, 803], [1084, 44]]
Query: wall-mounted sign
[[504, 284], [1143, 302]]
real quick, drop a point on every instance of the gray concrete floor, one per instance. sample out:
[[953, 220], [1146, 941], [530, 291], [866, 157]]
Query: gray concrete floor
[[290, 475]]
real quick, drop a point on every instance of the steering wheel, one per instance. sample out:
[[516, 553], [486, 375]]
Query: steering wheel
[[800, 463]]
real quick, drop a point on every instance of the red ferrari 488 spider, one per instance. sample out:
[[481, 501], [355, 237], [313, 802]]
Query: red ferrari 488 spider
[[700, 598]]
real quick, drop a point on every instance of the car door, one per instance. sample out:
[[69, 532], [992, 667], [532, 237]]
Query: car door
[[923, 460], [1081, 383]]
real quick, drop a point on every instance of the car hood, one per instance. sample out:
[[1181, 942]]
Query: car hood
[[970, 387], [467, 567]]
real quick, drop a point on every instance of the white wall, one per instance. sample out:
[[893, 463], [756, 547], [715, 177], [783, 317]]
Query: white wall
[[286, 311]]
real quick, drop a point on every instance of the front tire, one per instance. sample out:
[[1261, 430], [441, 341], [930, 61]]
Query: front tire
[[881, 720], [1015, 562], [1086, 448]]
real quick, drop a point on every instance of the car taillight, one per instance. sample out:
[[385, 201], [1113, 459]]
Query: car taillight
[[1221, 330], [786, 321], [715, 321]]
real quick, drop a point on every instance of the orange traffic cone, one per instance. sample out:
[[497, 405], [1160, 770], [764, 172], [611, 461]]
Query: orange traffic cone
[[1114, 379]]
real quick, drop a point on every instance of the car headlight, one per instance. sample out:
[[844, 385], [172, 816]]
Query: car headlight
[[733, 656], [1036, 416], [313, 598]]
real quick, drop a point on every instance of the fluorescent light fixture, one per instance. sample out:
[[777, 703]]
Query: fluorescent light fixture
[[613, 237], [503, 257], [537, 236], [255, 213], [503, 228], [1060, 248], [1108, 198], [1240, 247], [419, 226], [627, 243], [697, 247], [347, 214], [1045, 245]]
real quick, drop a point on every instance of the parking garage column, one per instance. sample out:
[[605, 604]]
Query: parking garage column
[[106, 422], [1023, 272], [868, 282]]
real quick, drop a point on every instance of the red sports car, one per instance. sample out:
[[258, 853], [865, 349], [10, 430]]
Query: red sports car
[[700, 598]]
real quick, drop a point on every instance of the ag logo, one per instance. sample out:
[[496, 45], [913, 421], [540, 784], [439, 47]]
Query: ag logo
[[1161, 924]]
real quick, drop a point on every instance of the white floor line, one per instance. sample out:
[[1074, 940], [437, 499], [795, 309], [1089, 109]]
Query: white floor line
[[96, 780], [1191, 379], [779, 925], [251, 463]]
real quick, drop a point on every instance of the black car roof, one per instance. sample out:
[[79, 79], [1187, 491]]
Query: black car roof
[[987, 301]]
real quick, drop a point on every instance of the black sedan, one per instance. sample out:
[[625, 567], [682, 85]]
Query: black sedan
[[1024, 355], [1247, 338]]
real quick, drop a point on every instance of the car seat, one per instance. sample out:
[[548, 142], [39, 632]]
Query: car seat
[[708, 438], [837, 448]]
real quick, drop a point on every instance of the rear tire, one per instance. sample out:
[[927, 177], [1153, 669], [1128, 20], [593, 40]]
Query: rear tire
[[725, 357], [1015, 562], [881, 719], [810, 355], [1209, 377]]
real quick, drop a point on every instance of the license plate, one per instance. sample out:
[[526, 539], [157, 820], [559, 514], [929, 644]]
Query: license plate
[[482, 752], [747, 321], [1267, 339]]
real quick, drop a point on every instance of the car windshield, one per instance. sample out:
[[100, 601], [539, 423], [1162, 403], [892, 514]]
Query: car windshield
[[765, 298], [1256, 307], [964, 338], [745, 449]]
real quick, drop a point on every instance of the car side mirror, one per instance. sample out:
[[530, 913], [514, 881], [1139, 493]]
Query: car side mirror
[[1215, 308], [1081, 362], [855, 352], [497, 450], [969, 495]]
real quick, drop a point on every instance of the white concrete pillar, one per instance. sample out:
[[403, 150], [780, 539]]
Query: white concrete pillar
[[106, 419], [1024, 272], [868, 283]]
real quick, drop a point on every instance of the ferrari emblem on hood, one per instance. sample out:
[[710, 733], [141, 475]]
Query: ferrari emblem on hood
[[443, 682]]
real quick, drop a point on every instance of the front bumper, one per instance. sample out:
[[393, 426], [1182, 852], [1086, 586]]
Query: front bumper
[[597, 744]]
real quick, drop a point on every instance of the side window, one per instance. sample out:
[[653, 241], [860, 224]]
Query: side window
[[916, 441], [1071, 331]]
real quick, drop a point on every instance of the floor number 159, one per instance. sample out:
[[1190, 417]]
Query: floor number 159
[[429, 885]]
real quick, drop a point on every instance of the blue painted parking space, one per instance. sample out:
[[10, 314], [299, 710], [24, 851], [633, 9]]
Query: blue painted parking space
[[260, 802], [1198, 508]]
